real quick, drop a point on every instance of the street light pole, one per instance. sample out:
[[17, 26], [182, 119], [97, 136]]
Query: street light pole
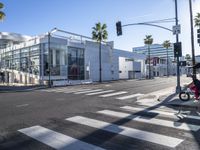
[[192, 37], [178, 87]]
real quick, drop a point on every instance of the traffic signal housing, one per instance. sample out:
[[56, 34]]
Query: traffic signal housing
[[198, 36], [119, 28], [177, 49]]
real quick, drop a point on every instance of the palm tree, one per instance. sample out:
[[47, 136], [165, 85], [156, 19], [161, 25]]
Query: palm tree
[[148, 41], [2, 14], [167, 44], [99, 34], [197, 20], [188, 58]]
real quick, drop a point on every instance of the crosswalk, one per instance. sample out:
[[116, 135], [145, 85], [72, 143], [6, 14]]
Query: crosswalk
[[57, 140], [105, 121], [102, 93]]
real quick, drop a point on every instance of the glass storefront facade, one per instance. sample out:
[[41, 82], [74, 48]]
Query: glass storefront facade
[[24, 59], [66, 62], [75, 63], [58, 59]]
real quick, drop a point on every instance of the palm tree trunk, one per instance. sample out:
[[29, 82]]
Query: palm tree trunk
[[149, 62], [100, 69], [167, 64]]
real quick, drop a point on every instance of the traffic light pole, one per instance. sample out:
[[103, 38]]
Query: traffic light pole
[[178, 87], [119, 32]]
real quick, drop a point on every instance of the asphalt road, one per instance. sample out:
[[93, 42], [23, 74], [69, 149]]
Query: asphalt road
[[68, 118]]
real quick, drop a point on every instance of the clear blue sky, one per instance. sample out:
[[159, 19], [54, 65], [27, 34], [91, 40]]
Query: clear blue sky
[[33, 17]]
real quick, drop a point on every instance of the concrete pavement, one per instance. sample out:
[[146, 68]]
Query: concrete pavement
[[168, 97]]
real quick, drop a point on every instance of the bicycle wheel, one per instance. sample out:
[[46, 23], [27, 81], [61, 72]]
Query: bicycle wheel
[[184, 96]]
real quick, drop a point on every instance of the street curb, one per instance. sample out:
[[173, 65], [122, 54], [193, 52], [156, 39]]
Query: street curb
[[21, 90]]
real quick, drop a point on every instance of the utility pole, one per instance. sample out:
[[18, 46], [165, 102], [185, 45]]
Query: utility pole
[[192, 37], [178, 87], [177, 44]]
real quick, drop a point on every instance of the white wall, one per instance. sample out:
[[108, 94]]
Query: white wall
[[109, 66], [124, 67], [129, 69]]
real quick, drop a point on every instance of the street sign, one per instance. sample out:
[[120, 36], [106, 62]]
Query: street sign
[[176, 29]]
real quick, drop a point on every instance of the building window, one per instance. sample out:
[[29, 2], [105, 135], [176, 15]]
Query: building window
[[75, 63]]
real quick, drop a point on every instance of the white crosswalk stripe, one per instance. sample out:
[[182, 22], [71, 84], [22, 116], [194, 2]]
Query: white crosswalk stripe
[[129, 132], [169, 114], [129, 96], [52, 90], [57, 140], [69, 90], [113, 94], [102, 92], [161, 122], [61, 141], [76, 90], [66, 90], [88, 91]]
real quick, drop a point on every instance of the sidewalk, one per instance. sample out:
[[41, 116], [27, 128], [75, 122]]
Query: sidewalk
[[167, 97], [155, 98]]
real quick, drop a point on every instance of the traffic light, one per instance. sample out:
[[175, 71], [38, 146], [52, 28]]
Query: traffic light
[[198, 36], [119, 28], [177, 49]]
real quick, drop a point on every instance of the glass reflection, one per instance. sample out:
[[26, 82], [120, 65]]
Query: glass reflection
[[75, 63]]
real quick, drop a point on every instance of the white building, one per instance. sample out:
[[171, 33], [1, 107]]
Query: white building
[[132, 65], [159, 56], [62, 60], [156, 50]]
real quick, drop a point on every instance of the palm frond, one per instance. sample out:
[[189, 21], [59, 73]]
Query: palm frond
[[1, 5], [148, 40], [197, 20], [99, 32], [2, 15], [104, 26], [166, 44]]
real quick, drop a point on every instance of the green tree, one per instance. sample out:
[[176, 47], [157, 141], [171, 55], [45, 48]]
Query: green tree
[[2, 14], [148, 41], [167, 44], [188, 59], [197, 20], [100, 34]]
